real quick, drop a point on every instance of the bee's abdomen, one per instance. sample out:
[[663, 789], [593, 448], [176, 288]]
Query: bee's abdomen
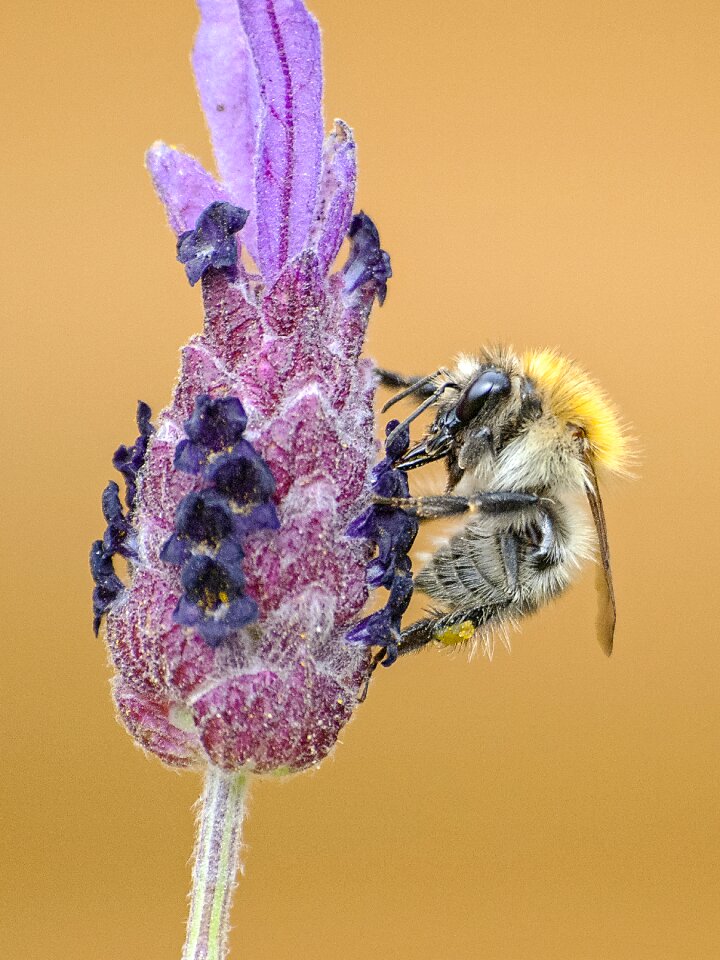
[[470, 568], [495, 570]]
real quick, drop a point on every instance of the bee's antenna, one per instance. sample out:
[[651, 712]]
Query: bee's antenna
[[418, 410], [414, 387]]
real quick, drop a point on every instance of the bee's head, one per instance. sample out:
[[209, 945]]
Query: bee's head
[[479, 405], [575, 431], [531, 422]]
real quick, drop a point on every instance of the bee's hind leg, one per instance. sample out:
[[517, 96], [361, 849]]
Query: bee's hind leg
[[417, 635], [448, 629], [445, 629], [414, 638], [377, 659], [432, 630]]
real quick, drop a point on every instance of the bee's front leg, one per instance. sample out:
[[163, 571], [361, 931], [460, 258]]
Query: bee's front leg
[[393, 380], [448, 505], [422, 386]]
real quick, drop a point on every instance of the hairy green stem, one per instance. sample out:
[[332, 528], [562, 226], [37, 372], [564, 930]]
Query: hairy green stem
[[215, 865]]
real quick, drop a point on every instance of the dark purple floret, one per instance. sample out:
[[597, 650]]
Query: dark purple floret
[[211, 524], [214, 603], [108, 586], [119, 536], [262, 517], [375, 630], [364, 525], [366, 262], [400, 595], [201, 518], [215, 425], [393, 532], [190, 457], [211, 244], [204, 517], [209, 583], [214, 630], [397, 446], [387, 482], [242, 475], [129, 460], [384, 627], [386, 623], [396, 537]]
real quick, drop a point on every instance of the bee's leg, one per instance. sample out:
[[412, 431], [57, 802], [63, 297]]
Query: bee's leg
[[543, 540], [429, 401], [510, 553], [395, 381], [447, 505], [417, 636], [374, 664], [448, 629], [399, 381]]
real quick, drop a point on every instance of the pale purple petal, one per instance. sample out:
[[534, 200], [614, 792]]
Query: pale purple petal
[[285, 43], [182, 183], [227, 84], [336, 193]]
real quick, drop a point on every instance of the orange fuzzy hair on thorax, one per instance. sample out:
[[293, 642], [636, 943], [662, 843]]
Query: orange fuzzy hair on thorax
[[573, 397]]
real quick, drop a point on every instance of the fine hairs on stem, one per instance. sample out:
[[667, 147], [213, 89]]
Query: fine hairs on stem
[[216, 854]]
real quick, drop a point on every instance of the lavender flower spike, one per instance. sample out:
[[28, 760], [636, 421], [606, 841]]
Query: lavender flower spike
[[228, 635], [229, 638]]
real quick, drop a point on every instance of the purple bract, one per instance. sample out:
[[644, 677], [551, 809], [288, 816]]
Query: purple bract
[[229, 638]]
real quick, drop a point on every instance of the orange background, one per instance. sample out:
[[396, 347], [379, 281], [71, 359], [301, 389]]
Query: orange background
[[542, 173]]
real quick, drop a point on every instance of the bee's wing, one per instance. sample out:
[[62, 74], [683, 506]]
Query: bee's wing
[[606, 593]]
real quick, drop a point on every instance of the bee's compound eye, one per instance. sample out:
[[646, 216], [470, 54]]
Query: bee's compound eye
[[492, 385]]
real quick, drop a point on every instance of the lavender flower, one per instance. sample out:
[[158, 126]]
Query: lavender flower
[[228, 639], [393, 532], [211, 244]]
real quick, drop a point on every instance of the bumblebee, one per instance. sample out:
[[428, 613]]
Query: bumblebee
[[523, 439]]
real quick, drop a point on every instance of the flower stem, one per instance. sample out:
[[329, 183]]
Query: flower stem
[[215, 865]]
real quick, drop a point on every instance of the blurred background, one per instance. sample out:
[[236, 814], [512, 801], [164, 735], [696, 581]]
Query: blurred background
[[542, 174]]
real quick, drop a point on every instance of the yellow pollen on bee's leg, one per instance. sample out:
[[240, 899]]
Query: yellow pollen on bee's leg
[[457, 633]]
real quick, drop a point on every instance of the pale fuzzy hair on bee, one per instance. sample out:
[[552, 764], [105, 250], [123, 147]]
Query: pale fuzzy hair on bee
[[544, 455], [574, 397]]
